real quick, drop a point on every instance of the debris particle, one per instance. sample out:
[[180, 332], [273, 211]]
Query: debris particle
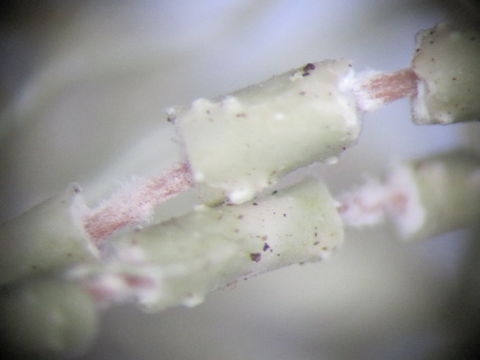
[[171, 115], [256, 257], [307, 68], [266, 247]]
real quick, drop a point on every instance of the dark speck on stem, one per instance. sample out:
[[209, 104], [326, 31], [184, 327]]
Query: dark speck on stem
[[307, 68], [256, 257]]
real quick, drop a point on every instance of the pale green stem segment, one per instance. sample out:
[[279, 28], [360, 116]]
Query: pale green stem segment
[[43, 318], [441, 194], [448, 67], [242, 143], [174, 263], [45, 237], [179, 261]]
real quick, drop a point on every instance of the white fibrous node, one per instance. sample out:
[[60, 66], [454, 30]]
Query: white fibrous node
[[364, 206], [404, 206], [397, 199], [120, 283]]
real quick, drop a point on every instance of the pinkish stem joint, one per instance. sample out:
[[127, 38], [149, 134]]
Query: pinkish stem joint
[[377, 89], [135, 205]]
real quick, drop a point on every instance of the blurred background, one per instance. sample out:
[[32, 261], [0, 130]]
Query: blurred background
[[83, 90]]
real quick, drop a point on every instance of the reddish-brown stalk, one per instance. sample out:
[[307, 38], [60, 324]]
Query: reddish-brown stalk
[[135, 205], [377, 89]]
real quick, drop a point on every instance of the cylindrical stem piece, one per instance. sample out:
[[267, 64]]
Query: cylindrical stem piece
[[448, 67], [179, 261], [240, 144], [47, 236]]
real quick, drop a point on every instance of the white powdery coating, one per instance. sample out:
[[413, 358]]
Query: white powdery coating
[[193, 300], [119, 283], [78, 211], [331, 160], [240, 195], [347, 98], [132, 254], [364, 206], [353, 83], [153, 288], [398, 199], [405, 207], [419, 105], [444, 118], [109, 288]]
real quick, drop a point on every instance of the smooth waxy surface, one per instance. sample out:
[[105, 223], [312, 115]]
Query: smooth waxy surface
[[242, 143]]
